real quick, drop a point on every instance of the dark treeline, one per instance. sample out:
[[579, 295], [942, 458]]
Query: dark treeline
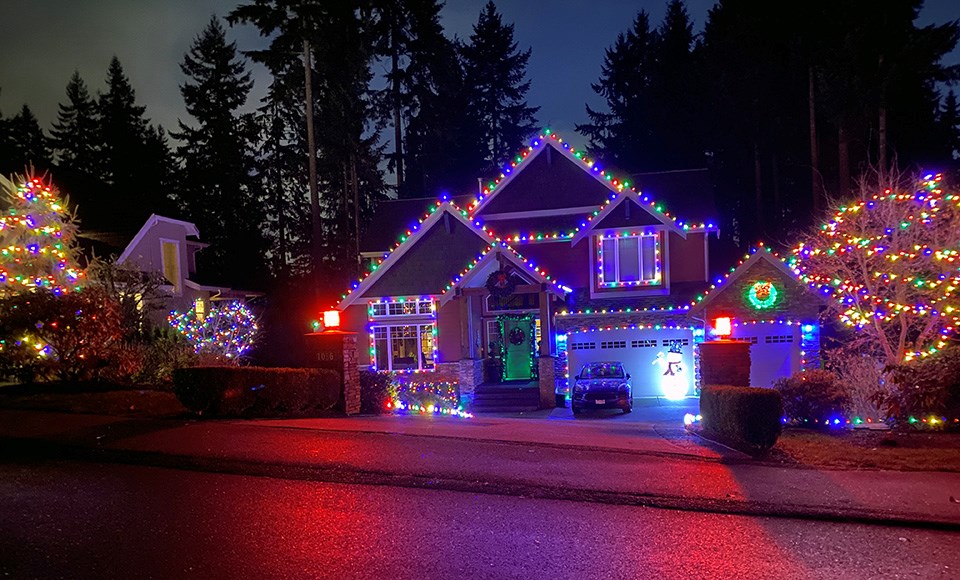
[[786, 102]]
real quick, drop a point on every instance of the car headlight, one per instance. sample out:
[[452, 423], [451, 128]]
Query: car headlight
[[578, 388], [623, 387]]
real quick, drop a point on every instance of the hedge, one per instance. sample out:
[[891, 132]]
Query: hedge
[[256, 391], [374, 392], [746, 418]]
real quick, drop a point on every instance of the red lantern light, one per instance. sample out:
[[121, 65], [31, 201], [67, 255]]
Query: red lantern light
[[331, 319], [722, 327]]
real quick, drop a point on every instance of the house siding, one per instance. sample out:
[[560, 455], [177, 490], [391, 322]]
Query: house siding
[[570, 265], [686, 258]]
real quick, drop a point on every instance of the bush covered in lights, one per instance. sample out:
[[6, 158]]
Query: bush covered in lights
[[440, 397], [226, 331], [69, 337], [888, 264], [925, 387], [37, 239], [747, 418]]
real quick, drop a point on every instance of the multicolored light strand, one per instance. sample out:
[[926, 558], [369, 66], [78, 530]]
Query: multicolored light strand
[[891, 264], [37, 240], [228, 330]]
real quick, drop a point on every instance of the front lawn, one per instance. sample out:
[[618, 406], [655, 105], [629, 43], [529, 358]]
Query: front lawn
[[92, 400], [866, 449]]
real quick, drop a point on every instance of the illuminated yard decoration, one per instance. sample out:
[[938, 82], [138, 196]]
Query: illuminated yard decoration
[[673, 381], [762, 295], [890, 263], [228, 330], [37, 233], [434, 398]]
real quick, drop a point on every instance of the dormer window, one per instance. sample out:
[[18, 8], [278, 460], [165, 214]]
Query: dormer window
[[628, 260]]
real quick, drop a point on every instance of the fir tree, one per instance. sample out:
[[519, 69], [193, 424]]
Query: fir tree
[[217, 191], [121, 205], [74, 135], [37, 238], [27, 146], [622, 134], [495, 70]]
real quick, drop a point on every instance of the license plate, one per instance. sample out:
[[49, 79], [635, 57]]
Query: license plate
[[599, 402]]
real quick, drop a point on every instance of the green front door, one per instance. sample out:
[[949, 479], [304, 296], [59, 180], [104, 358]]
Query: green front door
[[518, 348]]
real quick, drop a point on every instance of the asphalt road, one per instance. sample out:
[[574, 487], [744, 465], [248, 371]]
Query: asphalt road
[[91, 520]]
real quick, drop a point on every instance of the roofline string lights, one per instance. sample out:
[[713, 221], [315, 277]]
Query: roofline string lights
[[618, 184], [676, 308]]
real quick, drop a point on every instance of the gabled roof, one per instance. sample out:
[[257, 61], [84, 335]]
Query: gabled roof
[[154, 219], [471, 241], [760, 253], [592, 184], [609, 218], [392, 216], [488, 261]]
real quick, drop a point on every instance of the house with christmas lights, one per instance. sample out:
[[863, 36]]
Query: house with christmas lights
[[559, 262], [168, 247]]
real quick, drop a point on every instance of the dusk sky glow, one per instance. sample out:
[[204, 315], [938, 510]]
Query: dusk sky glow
[[45, 40]]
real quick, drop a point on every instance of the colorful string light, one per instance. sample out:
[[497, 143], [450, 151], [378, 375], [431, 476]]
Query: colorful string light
[[37, 234], [229, 330], [890, 262]]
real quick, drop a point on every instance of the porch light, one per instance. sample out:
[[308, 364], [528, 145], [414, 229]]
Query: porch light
[[331, 319], [722, 327]]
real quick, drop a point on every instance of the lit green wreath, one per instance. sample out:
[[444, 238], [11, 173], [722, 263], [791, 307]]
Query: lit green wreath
[[762, 295]]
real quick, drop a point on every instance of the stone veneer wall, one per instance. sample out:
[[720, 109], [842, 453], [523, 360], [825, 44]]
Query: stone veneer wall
[[548, 385], [351, 375]]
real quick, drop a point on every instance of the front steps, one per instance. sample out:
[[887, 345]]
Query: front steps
[[509, 397]]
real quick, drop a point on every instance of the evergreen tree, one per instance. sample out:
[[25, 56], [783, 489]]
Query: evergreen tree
[[26, 144], [75, 132], [121, 204], [949, 121], [218, 191], [674, 94], [495, 70], [623, 135], [339, 37]]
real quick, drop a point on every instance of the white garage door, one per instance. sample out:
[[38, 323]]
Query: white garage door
[[774, 351], [655, 371]]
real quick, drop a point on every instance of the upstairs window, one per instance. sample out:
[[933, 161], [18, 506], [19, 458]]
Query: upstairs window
[[629, 260], [411, 307]]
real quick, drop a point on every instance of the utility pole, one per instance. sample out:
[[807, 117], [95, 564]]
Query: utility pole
[[315, 244]]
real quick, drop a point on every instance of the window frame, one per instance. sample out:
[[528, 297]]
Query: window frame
[[601, 260], [425, 363]]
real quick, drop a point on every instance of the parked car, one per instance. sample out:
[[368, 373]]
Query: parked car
[[602, 385]]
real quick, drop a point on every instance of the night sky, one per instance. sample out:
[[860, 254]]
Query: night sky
[[43, 41]]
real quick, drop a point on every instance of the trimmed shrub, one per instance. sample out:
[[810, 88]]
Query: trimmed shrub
[[374, 392], [256, 391], [928, 386], [813, 394], [746, 418]]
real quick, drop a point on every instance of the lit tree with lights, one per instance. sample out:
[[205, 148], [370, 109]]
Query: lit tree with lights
[[226, 331], [890, 263], [37, 238]]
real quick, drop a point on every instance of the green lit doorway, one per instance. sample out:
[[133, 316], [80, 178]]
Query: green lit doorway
[[518, 334]]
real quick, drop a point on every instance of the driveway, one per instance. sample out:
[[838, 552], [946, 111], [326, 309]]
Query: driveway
[[648, 411]]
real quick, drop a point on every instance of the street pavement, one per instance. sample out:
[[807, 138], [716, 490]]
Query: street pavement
[[647, 464], [97, 520]]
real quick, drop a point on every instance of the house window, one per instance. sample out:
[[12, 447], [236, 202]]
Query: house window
[[412, 307], [170, 255], [630, 260], [407, 347], [613, 344]]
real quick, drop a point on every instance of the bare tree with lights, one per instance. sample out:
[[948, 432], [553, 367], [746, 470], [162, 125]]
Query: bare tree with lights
[[890, 262]]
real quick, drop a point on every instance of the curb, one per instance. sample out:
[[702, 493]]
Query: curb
[[35, 450]]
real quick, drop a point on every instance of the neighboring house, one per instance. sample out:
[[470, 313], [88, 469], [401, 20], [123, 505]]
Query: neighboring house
[[558, 263], [168, 247]]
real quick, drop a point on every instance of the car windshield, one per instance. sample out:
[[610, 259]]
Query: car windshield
[[602, 371]]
